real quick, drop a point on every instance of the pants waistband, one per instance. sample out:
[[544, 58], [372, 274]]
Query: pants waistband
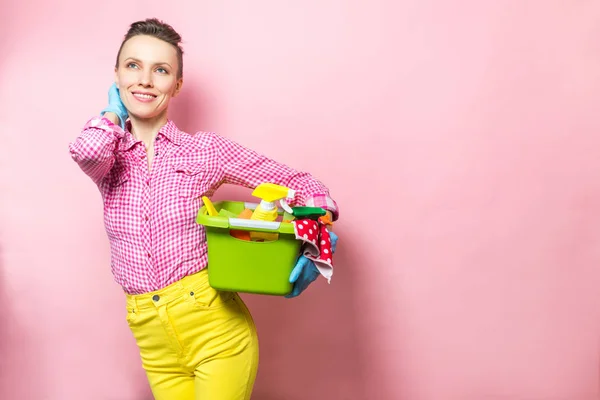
[[184, 286]]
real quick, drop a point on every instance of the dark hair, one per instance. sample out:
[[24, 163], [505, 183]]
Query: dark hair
[[160, 30]]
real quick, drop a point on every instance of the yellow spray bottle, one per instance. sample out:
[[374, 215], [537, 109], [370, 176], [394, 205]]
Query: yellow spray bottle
[[270, 193]]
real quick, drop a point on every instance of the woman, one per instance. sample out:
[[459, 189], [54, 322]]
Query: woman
[[195, 342]]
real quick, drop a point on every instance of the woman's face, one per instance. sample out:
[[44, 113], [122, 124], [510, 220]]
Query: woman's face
[[147, 76]]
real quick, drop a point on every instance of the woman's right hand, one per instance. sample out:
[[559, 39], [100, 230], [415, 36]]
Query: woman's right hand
[[115, 106]]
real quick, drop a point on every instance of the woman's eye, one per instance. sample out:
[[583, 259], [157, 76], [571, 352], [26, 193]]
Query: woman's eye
[[161, 70], [132, 65]]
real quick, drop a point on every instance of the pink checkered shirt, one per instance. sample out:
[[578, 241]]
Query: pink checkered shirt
[[150, 217]]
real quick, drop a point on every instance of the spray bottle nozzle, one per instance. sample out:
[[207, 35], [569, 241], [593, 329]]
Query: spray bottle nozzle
[[270, 193]]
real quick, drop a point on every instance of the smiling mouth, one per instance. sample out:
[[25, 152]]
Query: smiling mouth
[[143, 96]]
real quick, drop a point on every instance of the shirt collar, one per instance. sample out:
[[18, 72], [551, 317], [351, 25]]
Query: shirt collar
[[171, 132], [168, 130]]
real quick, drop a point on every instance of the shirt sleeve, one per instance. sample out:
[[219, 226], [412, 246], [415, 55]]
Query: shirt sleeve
[[245, 167], [94, 148]]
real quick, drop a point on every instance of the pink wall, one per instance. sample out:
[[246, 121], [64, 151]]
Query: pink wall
[[460, 139]]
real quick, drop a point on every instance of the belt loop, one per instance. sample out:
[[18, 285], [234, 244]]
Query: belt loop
[[157, 300], [132, 303]]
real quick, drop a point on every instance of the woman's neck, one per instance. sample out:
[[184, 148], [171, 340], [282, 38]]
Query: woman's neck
[[146, 129]]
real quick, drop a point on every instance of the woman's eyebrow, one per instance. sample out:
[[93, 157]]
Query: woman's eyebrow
[[141, 62]]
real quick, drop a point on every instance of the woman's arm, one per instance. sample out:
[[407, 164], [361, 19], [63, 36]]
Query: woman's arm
[[245, 167], [94, 149]]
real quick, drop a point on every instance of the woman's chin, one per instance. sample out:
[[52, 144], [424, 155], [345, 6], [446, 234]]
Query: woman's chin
[[144, 115]]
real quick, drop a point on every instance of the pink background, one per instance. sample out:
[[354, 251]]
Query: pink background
[[460, 139]]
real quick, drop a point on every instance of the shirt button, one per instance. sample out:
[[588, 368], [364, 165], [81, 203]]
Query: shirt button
[[156, 297], [149, 255], [146, 218]]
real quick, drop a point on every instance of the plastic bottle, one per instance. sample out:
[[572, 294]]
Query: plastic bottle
[[238, 233], [270, 193]]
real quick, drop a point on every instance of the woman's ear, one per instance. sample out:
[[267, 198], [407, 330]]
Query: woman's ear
[[178, 87]]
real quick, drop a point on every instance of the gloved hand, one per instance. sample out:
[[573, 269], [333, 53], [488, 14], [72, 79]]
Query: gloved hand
[[115, 105], [305, 272]]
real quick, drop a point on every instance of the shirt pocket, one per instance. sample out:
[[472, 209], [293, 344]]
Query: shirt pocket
[[191, 180], [114, 195]]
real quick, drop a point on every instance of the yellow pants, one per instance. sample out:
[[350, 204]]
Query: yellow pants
[[195, 342]]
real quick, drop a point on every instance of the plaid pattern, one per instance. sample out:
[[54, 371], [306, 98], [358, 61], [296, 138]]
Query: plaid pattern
[[149, 216]]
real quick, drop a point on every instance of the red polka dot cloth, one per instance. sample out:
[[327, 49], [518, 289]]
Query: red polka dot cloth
[[317, 245]]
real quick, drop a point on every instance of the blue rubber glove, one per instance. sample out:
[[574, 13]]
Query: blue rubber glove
[[115, 105], [305, 272]]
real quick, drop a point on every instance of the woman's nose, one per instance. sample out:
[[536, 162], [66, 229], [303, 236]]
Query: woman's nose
[[145, 78]]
